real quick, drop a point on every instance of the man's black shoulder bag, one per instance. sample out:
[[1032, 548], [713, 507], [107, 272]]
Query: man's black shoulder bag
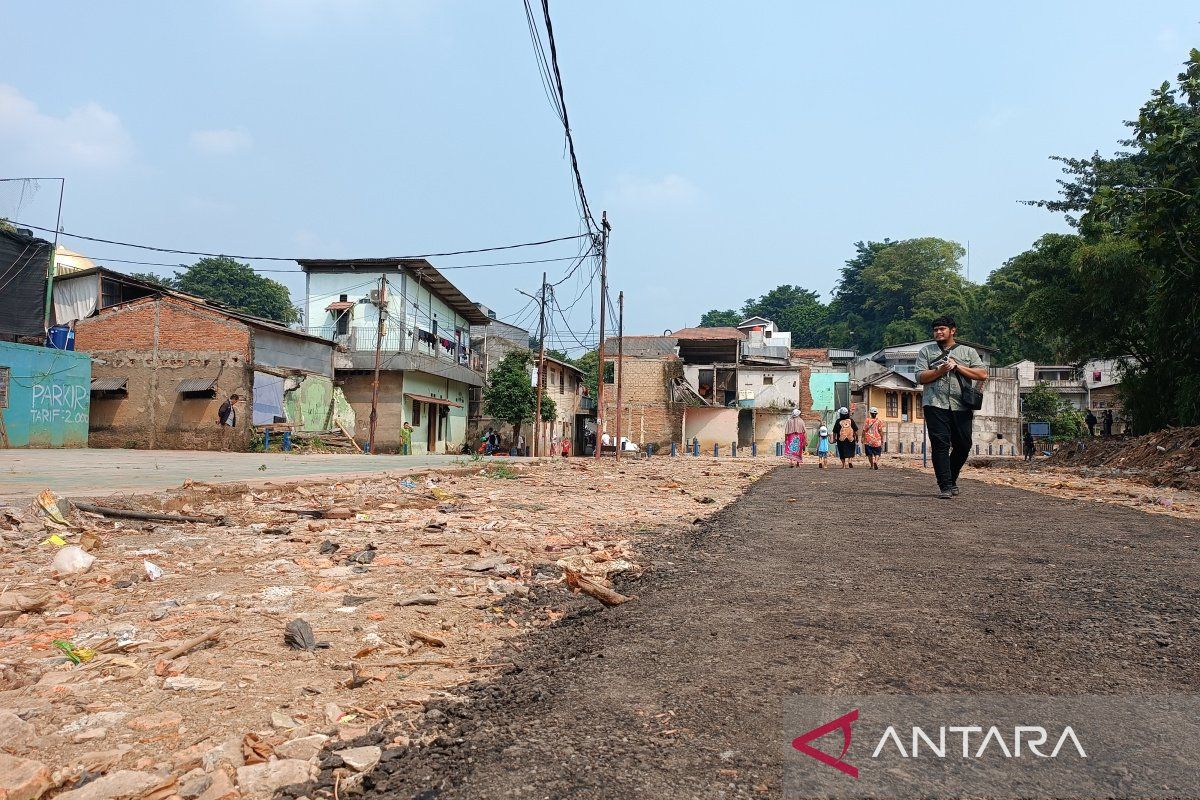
[[972, 397]]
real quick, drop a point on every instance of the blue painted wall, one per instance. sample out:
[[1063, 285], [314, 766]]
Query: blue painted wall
[[49, 397]]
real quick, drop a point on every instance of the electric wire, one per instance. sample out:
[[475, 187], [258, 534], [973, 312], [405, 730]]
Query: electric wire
[[294, 258]]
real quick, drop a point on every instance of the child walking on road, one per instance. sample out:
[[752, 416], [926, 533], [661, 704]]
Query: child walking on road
[[822, 447]]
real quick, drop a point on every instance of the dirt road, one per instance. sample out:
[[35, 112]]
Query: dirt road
[[864, 584]]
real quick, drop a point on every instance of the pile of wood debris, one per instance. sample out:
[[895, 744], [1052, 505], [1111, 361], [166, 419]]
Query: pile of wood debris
[[145, 656]]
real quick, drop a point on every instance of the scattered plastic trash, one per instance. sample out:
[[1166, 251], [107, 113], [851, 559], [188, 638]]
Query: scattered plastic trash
[[77, 655], [72, 560], [408, 484], [55, 540], [49, 504], [441, 494], [153, 571], [298, 635]]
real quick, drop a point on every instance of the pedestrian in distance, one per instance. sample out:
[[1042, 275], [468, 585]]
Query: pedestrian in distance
[[406, 432], [566, 447], [1028, 445], [947, 368], [822, 447], [227, 413], [794, 439], [872, 437], [1090, 419], [1108, 422], [845, 437]]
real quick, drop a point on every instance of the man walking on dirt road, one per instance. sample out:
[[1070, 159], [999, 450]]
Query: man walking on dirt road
[[943, 368]]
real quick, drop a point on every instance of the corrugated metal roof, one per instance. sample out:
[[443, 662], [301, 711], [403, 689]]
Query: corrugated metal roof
[[197, 385], [108, 384], [437, 401], [708, 334]]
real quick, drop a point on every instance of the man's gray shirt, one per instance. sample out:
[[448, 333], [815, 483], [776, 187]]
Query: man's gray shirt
[[945, 392]]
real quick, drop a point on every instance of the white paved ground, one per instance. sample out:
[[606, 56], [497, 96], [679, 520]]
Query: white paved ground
[[93, 473]]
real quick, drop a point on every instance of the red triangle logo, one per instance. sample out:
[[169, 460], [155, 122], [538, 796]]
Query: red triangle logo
[[842, 723]]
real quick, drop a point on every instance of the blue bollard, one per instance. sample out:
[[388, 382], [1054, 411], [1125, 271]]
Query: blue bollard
[[754, 449], [674, 452], [976, 449], [922, 448], [266, 441], [715, 451], [650, 450], [779, 449], [733, 449], [287, 441], [989, 449], [696, 447]]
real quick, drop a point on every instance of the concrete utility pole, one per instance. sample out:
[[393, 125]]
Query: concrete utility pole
[[541, 374], [605, 228], [381, 307], [620, 364]]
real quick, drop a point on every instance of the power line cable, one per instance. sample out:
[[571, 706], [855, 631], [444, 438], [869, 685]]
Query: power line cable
[[301, 258]]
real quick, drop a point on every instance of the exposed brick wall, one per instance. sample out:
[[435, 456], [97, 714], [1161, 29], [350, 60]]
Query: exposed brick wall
[[191, 344], [648, 414]]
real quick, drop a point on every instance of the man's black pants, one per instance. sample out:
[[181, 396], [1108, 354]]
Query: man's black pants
[[950, 442]]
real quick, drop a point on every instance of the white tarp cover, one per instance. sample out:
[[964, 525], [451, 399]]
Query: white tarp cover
[[268, 398], [75, 299]]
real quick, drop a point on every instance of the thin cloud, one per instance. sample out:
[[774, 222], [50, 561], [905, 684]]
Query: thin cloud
[[221, 141], [668, 192], [88, 136]]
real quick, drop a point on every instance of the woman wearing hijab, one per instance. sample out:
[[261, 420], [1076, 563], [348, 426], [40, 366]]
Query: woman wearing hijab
[[794, 439], [845, 436]]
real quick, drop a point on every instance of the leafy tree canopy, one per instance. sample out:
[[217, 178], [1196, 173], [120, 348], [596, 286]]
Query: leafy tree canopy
[[1043, 404], [224, 280], [1130, 286], [720, 319], [510, 394]]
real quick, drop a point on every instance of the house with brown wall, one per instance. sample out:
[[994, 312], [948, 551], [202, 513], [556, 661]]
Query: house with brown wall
[[163, 364]]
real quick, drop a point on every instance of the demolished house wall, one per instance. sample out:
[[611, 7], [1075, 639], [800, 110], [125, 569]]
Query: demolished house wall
[[649, 412], [154, 345], [711, 426]]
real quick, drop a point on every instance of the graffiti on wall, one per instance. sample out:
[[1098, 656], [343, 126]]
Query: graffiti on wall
[[63, 403]]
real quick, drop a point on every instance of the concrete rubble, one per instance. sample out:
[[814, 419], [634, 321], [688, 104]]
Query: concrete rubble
[[117, 681]]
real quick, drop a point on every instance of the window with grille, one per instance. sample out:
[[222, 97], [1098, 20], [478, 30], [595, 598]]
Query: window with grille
[[893, 404]]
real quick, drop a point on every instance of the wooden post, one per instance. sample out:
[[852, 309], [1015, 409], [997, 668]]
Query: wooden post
[[381, 308], [620, 364], [541, 374], [600, 349]]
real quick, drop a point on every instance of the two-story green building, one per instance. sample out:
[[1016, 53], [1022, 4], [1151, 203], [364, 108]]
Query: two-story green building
[[419, 323]]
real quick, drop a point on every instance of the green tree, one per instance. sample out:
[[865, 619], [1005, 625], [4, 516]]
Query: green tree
[[510, 394], [1043, 404], [907, 285], [1136, 274], [157, 280], [848, 324], [231, 283], [720, 319]]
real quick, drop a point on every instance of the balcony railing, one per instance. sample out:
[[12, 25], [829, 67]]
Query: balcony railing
[[587, 403], [396, 339]]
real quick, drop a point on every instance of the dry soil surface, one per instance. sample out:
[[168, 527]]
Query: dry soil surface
[[816, 582]]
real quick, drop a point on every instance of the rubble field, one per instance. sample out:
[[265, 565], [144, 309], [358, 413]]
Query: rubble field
[[231, 656]]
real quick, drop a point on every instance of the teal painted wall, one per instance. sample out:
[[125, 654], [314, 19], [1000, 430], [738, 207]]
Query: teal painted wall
[[311, 404], [820, 384], [454, 432], [49, 396]]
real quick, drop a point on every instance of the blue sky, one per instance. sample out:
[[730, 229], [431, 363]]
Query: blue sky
[[735, 146]]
